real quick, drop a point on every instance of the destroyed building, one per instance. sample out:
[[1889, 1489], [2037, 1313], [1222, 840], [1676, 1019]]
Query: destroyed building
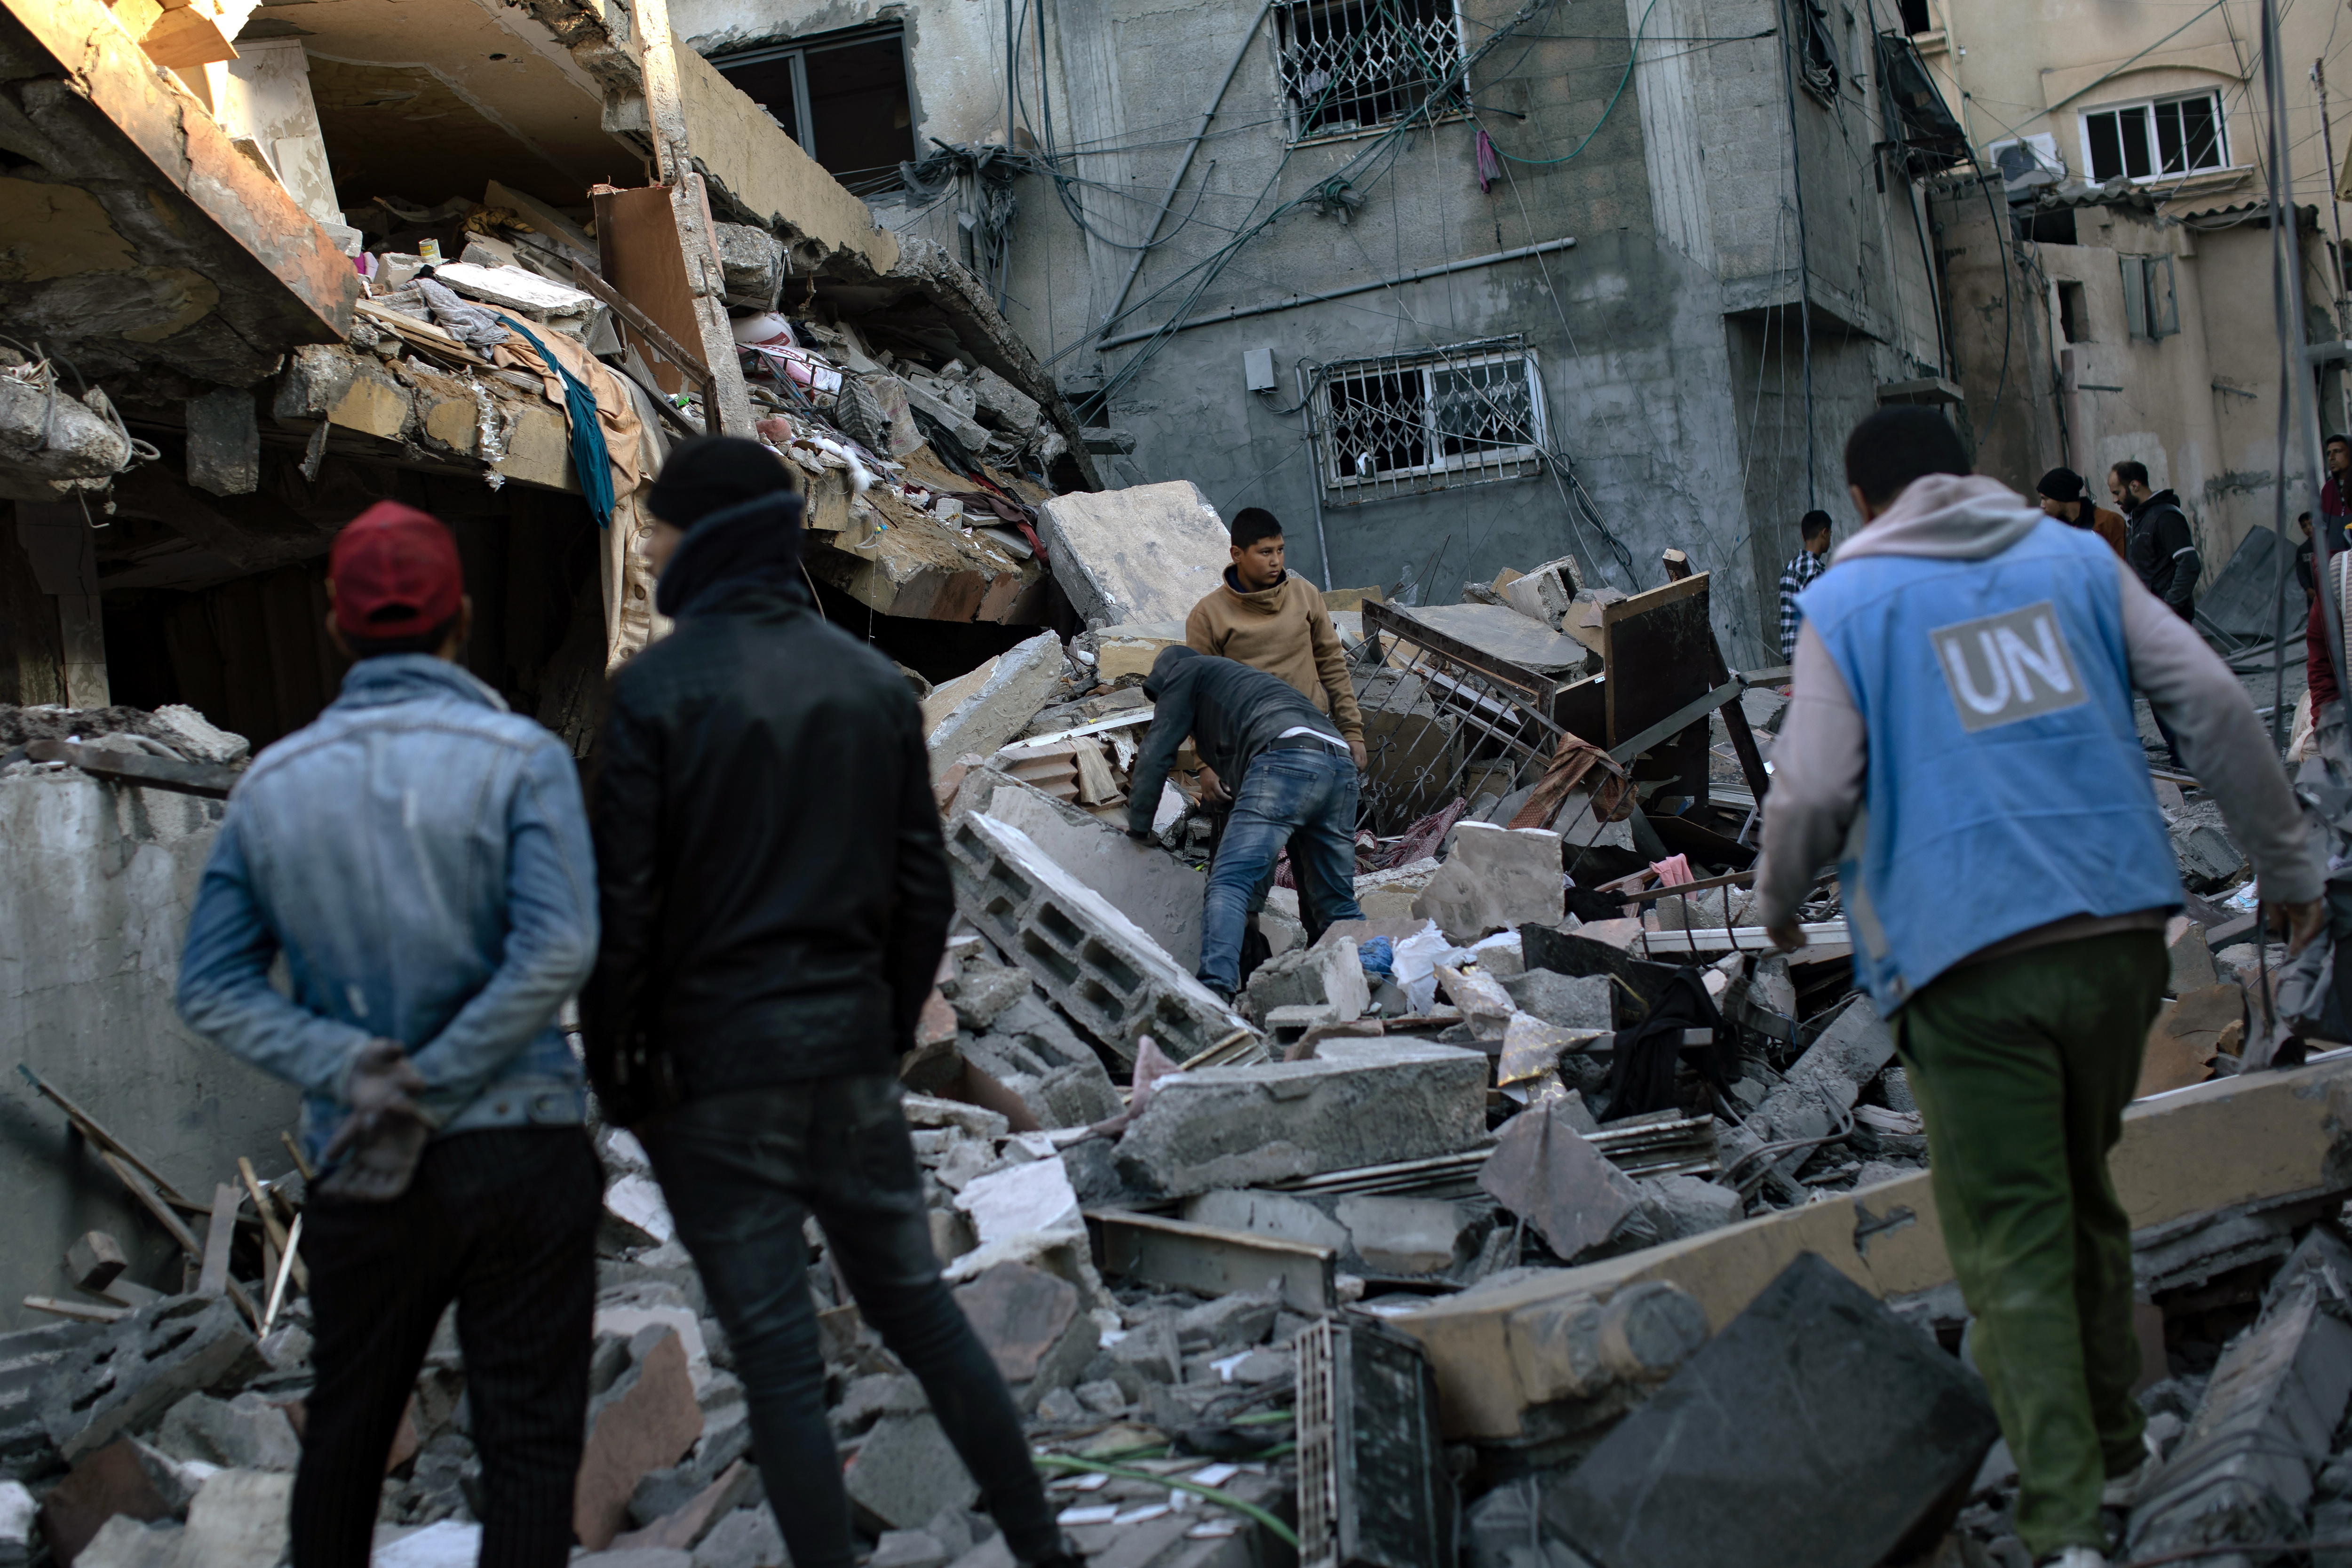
[[1447, 288]]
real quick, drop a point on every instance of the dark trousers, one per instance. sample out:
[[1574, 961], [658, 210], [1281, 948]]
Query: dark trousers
[[504, 1223], [741, 1172]]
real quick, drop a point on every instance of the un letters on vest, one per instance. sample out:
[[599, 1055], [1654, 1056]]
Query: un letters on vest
[[2009, 667]]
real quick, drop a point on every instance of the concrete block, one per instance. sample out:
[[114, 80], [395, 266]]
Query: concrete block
[[1148, 552], [1689, 1206], [1403, 1236], [1151, 887], [647, 1421], [1358, 1102], [2244, 1467], [124, 1542], [1570, 1003], [1102, 968], [748, 1538], [1730, 1461], [1228, 1322], [1544, 1170], [247, 1433], [1497, 878], [143, 1365], [1020, 1200], [907, 1471], [983, 989], [1328, 977], [985, 715], [1268, 1213], [94, 1259], [1830, 1076], [2209, 860], [1124, 650]]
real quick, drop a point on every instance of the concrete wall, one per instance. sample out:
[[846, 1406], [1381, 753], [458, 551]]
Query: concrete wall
[[2200, 407], [91, 914], [1676, 415]]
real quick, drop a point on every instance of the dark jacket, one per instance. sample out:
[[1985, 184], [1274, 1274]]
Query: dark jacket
[[2163, 552], [775, 893], [1232, 712]]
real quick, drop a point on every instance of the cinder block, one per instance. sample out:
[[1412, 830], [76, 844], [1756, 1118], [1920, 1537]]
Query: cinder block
[[1103, 970]]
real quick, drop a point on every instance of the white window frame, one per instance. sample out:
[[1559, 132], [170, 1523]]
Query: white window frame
[[1344, 484], [1285, 17], [2145, 109]]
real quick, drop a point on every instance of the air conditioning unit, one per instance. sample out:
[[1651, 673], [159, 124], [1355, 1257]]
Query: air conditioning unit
[[2027, 162]]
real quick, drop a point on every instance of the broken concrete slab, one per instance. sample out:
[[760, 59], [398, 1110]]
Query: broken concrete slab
[[238, 1519], [1689, 1206], [1268, 1213], [1403, 1235], [1358, 1102], [124, 1542], [1124, 650], [1102, 968], [247, 1433], [1823, 1085], [1148, 552], [907, 1471], [1579, 1001], [984, 715], [2244, 1467], [2209, 861], [1151, 887], [748, 1538], [1497, 878], [112, 1482], [1547, 1173], [143, 1365], [1730, 1461], [1020, 1200]]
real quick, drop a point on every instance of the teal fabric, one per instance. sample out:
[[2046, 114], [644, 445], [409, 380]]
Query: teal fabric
[[590, 460]]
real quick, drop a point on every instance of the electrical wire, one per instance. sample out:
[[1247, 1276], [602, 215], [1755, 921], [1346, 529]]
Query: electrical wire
[[1632, 54]]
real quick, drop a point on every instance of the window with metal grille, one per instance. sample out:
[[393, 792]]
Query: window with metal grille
[[1349, 65], [1408, 423], [2167, 137]]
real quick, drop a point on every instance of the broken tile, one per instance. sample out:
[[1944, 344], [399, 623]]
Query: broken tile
[[1031, 1322], [1021, 1199], [102, 1484], [907, 1471], [649, 1421]]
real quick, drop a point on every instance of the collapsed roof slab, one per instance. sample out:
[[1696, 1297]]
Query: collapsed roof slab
[[142, 237], [2260, 1140]]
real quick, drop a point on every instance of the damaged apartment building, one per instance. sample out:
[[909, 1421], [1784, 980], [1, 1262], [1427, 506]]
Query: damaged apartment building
[[1447, 285]]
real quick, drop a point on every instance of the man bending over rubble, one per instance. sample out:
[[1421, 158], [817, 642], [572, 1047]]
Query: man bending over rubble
[[420, 855], [1292, 781], [1961, 740], [1270, 619], [775, 904]]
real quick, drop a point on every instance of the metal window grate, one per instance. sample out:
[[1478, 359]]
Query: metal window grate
[[1411, 423], [1348, 65]]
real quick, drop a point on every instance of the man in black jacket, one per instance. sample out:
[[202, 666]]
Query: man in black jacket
[[1293, 781], [775, 899], [2157, 541], [2161, 552]]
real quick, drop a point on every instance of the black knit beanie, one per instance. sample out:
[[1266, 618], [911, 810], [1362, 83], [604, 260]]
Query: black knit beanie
[[709, 473]]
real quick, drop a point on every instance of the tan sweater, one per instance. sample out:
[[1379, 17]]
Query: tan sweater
[[1285, 631]]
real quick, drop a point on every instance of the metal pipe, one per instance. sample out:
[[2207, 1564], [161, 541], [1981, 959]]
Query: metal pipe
[[1183, 167], [1315, 490], [1294, 300]]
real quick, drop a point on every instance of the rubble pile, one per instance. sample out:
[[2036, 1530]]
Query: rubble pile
[[1189, 1232]]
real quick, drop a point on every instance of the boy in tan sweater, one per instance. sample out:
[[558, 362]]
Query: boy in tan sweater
[[1263, 617]]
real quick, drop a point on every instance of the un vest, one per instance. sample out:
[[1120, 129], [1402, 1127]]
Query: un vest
[[2006, 785]]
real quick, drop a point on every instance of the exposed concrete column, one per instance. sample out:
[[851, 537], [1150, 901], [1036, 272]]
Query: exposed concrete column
[[64, 562], [689, 204]]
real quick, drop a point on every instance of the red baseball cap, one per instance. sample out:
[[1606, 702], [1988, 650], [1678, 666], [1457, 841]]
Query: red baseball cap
[[394, 572]]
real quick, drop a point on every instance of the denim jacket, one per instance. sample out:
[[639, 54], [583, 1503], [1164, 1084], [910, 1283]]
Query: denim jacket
[[421, 857]]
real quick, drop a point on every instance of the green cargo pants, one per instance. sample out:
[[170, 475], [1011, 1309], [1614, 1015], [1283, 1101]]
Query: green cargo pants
[[2022, 1067]]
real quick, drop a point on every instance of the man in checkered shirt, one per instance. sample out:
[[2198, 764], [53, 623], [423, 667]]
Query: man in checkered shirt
[[1801, 569]]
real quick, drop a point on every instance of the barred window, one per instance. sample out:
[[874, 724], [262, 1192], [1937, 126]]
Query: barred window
[[1408, 423], [1348, 65]]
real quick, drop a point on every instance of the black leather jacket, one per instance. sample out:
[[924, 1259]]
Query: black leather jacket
[[775, 893], [2163, 552], [1232, 712]]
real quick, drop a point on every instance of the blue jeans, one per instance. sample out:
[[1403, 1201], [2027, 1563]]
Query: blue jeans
[[1305, 798], [742, 1172]]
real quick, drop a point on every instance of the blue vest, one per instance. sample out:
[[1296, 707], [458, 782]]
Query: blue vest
[[2006, 786]]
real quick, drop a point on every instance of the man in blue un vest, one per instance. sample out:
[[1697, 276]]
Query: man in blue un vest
[[1960, 742]]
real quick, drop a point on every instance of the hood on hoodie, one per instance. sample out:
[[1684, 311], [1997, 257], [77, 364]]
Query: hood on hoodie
[[1164, 666], [1948, 517]]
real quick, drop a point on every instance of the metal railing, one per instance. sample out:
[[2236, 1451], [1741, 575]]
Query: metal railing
[[1350, 65], [1406, 423]]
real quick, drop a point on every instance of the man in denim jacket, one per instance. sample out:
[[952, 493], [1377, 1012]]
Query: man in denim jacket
[[421, 858]]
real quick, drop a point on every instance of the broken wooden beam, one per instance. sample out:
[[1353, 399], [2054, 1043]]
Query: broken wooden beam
[[139, 768]]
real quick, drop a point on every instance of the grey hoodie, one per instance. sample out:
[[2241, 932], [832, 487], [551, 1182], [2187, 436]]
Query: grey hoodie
[[1822, 757]]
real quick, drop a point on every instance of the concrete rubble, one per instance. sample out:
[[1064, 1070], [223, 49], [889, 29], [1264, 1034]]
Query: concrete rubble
[[1156, 1208]]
